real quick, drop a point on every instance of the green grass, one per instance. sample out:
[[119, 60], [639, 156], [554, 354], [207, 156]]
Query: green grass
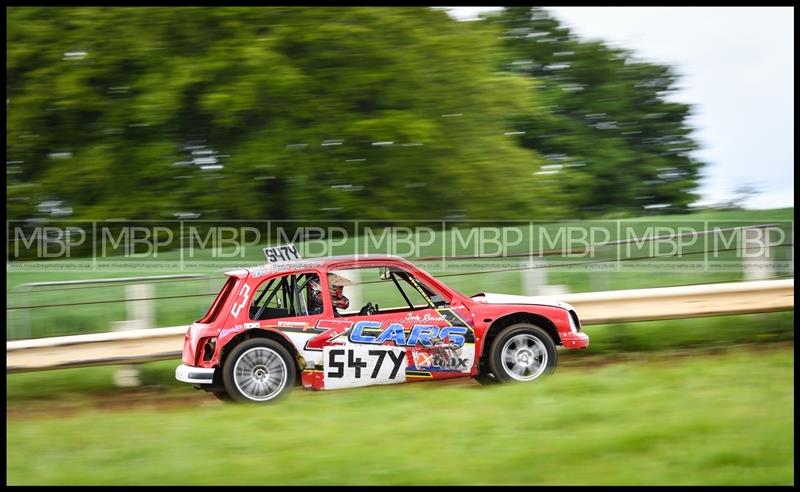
[[721, 419], [74, 385], [710, 332]]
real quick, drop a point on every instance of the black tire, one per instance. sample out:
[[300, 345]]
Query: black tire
[[534, 333], [486, 379], [248, 350], [221, 395]]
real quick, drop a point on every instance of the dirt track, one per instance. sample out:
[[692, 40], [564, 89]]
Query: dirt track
[[150, 398]]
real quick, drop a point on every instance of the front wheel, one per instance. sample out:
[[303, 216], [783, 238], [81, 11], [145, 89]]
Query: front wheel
[[522, 352], [221, 395], [486, 379], [258, 370]]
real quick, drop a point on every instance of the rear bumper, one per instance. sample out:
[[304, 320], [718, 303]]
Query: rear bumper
[[194, 375], [575, 340]]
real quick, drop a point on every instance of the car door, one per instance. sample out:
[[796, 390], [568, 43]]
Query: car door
[[412, 335], [450, 350]]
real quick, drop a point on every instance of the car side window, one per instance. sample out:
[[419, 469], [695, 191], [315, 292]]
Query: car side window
[[385, 289], [285, 297], [416, 291]]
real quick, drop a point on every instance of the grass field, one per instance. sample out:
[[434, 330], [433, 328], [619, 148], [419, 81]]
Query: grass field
[[694, 401], [665, 419], [176, 310]]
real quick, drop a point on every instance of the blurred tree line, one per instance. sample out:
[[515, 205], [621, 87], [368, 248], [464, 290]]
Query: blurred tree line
[[604, 115], [333, 113]]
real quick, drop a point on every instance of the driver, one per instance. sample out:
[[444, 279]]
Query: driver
[[336, 283]]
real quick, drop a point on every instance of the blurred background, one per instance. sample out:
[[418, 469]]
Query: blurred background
[[335, 113], [479, 116]]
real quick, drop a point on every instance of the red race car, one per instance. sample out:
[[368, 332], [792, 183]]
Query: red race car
[[321, 323]]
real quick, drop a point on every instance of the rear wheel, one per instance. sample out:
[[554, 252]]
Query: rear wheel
[[258, 370], [522, 352]]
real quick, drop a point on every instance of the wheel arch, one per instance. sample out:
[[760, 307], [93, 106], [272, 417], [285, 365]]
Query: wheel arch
[[504, 322], [269, 335]]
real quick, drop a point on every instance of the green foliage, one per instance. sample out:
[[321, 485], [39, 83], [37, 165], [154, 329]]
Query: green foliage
[[606, 118], [332, 113]]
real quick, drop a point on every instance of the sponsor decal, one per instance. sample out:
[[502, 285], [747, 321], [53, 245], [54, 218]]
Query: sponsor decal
[[420, 334], [422, 359], [332, 330], [442, 361], [296, 324], [251, 325], [370, 332], [227, 331]]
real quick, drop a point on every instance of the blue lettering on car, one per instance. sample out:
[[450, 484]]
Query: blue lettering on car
[[420, 334], [356, 335], [394, 332]]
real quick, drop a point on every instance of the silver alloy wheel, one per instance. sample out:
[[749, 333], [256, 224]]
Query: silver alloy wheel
[[260, 374], [524, 357]]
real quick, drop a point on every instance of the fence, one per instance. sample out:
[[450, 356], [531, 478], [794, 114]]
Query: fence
[[143, 345]]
